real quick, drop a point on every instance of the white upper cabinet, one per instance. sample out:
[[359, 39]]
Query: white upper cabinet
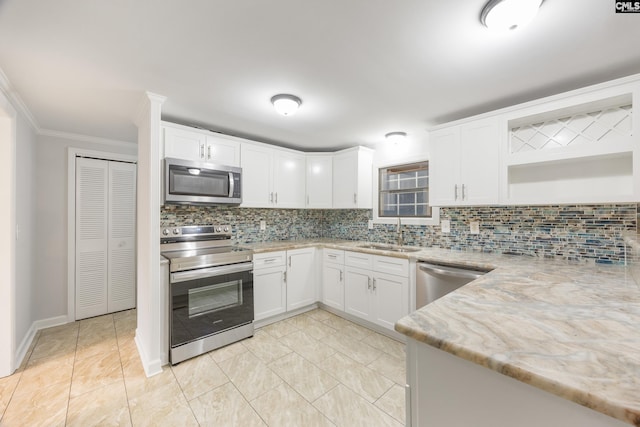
[[272, 177], [465, 164], [352, 175], [222, 151], [319, 181], [256, 176], [288, 179], [183, 142]]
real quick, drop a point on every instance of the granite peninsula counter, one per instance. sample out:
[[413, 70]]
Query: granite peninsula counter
[[572, 330]]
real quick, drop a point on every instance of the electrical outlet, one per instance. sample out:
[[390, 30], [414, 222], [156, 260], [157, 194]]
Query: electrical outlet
[[474, 227], [370, 224], [445, 226], [263, 225]]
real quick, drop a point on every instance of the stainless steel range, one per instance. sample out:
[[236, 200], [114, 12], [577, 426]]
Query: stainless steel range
[[211, 289]]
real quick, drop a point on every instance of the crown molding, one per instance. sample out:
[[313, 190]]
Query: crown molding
[[86, 138], [13, 97]]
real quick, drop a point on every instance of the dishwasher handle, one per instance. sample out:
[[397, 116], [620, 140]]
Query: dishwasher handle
[[450, 271]]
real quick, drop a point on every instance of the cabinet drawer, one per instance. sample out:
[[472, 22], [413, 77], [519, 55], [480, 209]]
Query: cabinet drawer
[[357, 259], [333, 255], [269, 259], [390, 265]]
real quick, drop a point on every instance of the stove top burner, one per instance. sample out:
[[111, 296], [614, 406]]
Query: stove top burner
[[193, 247]]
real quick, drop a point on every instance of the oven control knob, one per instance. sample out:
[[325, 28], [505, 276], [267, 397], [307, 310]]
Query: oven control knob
[[165, 231], [219, 229], [176, 231], [226, 229]]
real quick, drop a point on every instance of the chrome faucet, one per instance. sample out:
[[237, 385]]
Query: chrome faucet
[[399, 231]]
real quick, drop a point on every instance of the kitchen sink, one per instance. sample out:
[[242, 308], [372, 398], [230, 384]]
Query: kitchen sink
[[390, 248]]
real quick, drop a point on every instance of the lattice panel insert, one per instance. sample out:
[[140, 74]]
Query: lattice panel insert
[[606, 126]]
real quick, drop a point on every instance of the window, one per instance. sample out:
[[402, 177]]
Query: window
[[403, 191]]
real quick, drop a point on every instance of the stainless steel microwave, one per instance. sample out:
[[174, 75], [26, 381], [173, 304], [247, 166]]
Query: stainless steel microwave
[[200, 183]]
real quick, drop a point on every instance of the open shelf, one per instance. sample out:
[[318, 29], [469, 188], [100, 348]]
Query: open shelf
[[598, 179], [583, 152]]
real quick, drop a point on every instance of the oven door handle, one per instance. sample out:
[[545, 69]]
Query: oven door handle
[[203, 273]]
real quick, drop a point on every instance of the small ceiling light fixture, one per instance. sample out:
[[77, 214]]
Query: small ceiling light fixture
[[396, 137], [509, 14], [286, 104]]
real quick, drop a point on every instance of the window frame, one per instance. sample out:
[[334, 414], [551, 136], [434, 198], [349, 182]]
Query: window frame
[[435, 211]]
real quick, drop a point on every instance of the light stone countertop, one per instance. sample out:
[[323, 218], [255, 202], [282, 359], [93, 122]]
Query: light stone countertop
[[569, 329]]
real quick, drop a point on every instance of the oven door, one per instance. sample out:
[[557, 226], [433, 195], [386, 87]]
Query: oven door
[[210, 300]]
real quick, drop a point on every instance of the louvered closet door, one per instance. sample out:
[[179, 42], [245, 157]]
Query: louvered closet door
[[121, 289], [92, 183]]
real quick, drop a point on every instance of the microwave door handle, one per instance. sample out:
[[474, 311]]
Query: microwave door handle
[[231, 184]]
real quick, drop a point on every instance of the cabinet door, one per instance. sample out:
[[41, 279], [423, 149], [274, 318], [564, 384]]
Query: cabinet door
[[333, 285], [345, 180], [390, 299], [269, 292], [444, 165], [288, 180], [301, 284], [357, 292], [319, 182], [183, 144], [479, 163], [222, 151], [256, 176]]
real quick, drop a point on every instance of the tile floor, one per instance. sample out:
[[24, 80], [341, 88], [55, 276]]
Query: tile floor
[[315, 369]]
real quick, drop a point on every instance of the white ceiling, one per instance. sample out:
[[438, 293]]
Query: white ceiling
[[362, 67]]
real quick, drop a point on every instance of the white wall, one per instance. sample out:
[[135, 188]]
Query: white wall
[[8, 125], [50, 290], [26, 223]]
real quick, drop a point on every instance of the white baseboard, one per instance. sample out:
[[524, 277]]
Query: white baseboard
[[151, 367], [22, 349], [278, 317]]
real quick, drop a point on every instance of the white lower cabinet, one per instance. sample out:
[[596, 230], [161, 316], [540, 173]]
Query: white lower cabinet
[[301, 283], [373, 293], [333, 278], [269, 286], [283, 281]]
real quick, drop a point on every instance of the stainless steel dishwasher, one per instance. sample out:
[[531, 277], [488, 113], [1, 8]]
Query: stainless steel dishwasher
[[434, 281]]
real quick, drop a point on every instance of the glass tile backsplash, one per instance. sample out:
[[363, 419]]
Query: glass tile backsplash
[[589, 233]]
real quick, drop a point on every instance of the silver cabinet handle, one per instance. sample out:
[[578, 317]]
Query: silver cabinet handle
[[276, 197], [271, 197], [341, 275], [463, 195], [270, 260], [284, 277], [208, 152], [289, 260], [202, 151], [374, 285], [355, 198], [332, 256], [455, 192], [369, 283]]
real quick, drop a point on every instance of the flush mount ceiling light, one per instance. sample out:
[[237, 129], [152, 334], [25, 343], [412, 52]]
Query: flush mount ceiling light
[[396, 137], [285, 104], [509, 14]]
